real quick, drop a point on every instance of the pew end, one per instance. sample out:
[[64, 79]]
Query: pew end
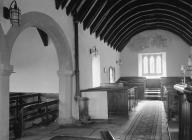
[[106, 135]]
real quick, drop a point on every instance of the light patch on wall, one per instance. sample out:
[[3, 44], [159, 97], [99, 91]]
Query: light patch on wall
[[142, 41]]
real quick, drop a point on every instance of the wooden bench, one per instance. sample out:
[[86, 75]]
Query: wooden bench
[[19, 100], [30, 107]]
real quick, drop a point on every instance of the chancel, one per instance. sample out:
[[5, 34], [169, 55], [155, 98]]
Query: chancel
[[95, 70]]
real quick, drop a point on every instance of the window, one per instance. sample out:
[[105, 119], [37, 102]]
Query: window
[[158, 65], [96, 78], [145, 65], [111, 75], [152, 65]]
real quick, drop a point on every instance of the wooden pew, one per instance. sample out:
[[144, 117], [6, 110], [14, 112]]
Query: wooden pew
[[139, 82], [25, 103], [185, 111], [43, 112], [19, 100]]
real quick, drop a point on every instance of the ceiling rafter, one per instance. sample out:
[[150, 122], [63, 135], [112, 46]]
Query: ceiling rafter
[[148, 18], [72, 6], [111, 13], [64, 2], [117, 21], [152, 22], [103, 14], [152, 25], [149, 27], [94, 13], [123, 24], [85, 9], [126, 8], [122, 17]]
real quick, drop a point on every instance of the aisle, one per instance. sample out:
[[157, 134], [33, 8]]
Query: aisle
[[146, 122], [149, 123]]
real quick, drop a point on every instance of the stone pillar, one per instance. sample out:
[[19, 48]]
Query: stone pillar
[[65, 97], [5, 72]]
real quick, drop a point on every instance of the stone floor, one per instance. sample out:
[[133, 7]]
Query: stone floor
[[146, 121]]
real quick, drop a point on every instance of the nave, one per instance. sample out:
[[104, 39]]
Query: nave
[[147, 121]]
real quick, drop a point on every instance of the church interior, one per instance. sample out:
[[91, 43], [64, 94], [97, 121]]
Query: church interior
[[95, 70]]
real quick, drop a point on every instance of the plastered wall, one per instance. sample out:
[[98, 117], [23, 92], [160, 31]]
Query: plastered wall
[[177, 52], [39, 73]]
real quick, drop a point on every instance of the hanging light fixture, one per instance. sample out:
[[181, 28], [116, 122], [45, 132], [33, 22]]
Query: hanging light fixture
[[93, 51], [15, 13]]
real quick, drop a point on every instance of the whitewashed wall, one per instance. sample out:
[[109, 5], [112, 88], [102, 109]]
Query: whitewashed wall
[[86, 41], [177, 52], [38, 73]]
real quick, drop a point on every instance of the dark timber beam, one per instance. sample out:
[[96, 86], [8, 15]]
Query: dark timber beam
[[71, 6], [152, 22], [148, 27], [58, 4], [116, 21], [119, 26], [64, 2], [151, 17], [119, 10], [111, 13], [94, 13], [154, 5], [85, 9], [44, 37], [103, 14]]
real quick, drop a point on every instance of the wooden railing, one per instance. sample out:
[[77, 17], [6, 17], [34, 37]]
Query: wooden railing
[[19, 101], [30, 107], [45, 112]]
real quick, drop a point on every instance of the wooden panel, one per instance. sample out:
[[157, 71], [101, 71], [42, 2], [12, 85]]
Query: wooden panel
[[117, 102], [139, 82], [153, 83], [185, 117]]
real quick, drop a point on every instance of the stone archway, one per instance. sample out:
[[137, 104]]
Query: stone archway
[[63, 50]]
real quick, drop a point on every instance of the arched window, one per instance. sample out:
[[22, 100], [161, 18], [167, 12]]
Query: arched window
[[96, 73], [111, 75], [158, 64], [145, 65], [152, 64]]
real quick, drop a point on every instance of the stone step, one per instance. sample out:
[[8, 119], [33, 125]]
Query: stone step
[[155, 92], [153, 88], [152, 95]]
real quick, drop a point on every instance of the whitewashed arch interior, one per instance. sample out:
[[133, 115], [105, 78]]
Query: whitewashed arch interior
[[64, 54]]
